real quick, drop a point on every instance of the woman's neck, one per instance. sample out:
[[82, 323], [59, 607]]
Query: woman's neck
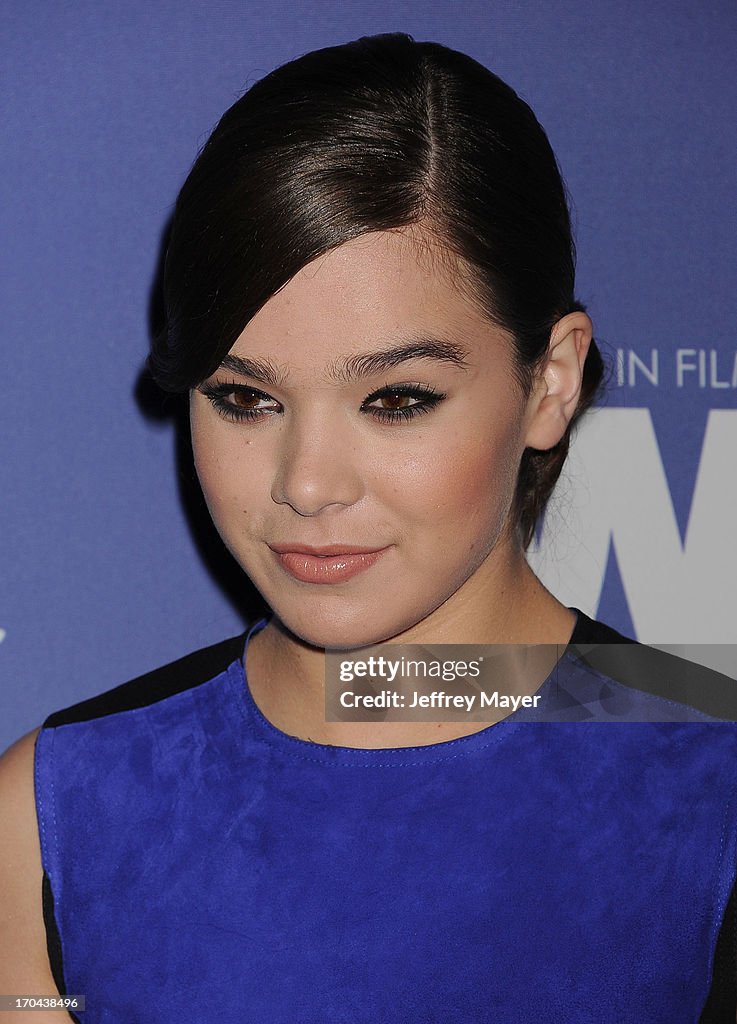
[[286, 676]]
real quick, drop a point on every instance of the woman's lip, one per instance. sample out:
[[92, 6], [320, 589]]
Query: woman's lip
[[322, 552], [308, 567]]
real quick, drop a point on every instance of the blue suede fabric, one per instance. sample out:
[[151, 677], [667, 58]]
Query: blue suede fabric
[[207, 867]]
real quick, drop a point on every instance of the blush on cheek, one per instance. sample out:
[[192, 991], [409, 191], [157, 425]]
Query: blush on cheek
[[482, 474], [478, 489]]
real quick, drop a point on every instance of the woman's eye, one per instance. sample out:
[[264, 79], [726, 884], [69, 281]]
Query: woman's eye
[[393, 405], [239, 403], [252, 401], [396, 401]]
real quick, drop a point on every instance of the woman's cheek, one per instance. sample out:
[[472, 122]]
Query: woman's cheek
[[230, 474], [472, 480]]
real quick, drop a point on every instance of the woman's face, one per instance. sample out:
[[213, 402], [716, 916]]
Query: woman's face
[[359, 454]]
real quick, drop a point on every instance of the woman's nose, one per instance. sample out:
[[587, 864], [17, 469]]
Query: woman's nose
[[317, 469]]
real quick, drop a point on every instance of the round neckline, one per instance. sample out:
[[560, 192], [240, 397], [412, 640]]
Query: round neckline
[[443, 750]]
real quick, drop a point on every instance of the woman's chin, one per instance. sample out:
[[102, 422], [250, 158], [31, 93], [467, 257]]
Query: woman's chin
[[345, 632], [334, 638]]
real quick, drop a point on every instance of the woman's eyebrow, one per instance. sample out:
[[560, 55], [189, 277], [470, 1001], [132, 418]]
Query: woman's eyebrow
[[258, 369], [365, 364], [369, 364]]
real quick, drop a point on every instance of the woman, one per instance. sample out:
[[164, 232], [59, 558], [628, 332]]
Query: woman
[[369, 293]]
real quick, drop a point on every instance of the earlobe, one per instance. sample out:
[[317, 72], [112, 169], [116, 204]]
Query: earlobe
[[555, 398]]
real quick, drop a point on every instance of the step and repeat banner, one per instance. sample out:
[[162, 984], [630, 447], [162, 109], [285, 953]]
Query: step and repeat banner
[[108, 568]]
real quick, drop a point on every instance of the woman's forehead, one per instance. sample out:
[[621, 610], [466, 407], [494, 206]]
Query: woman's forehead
[[386, 260], [378, 291]]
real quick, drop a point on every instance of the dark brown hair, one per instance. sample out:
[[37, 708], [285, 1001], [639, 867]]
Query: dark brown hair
[[374, 135]]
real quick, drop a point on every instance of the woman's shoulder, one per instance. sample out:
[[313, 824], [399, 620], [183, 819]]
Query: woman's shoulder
[[24, 965], [166, 681]]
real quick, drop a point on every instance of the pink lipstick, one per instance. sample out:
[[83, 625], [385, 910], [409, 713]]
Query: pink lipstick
[[330, 564]]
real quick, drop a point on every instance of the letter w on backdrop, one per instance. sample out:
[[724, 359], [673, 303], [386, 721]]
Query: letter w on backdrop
[[614, 491]]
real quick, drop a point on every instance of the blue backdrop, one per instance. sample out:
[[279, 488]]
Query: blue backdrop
[[106, 106]]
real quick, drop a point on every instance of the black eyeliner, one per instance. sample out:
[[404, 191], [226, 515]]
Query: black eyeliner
[[216, 394], [428, 399]]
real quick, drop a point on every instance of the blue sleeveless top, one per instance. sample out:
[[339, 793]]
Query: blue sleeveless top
[[202, 865]]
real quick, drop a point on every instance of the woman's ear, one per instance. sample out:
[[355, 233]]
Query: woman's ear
[[558, 387]]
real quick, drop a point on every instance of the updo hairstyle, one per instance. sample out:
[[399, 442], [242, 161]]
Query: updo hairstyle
[[375, 135]]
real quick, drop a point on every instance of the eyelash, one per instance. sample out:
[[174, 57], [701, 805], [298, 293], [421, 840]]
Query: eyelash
[[427, 400]]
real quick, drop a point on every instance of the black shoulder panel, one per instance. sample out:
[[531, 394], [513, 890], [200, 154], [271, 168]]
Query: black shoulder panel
[[591, 631], [182, 674], [653, 671]]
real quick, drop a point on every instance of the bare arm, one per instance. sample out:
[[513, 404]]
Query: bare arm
[[24, 964]]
